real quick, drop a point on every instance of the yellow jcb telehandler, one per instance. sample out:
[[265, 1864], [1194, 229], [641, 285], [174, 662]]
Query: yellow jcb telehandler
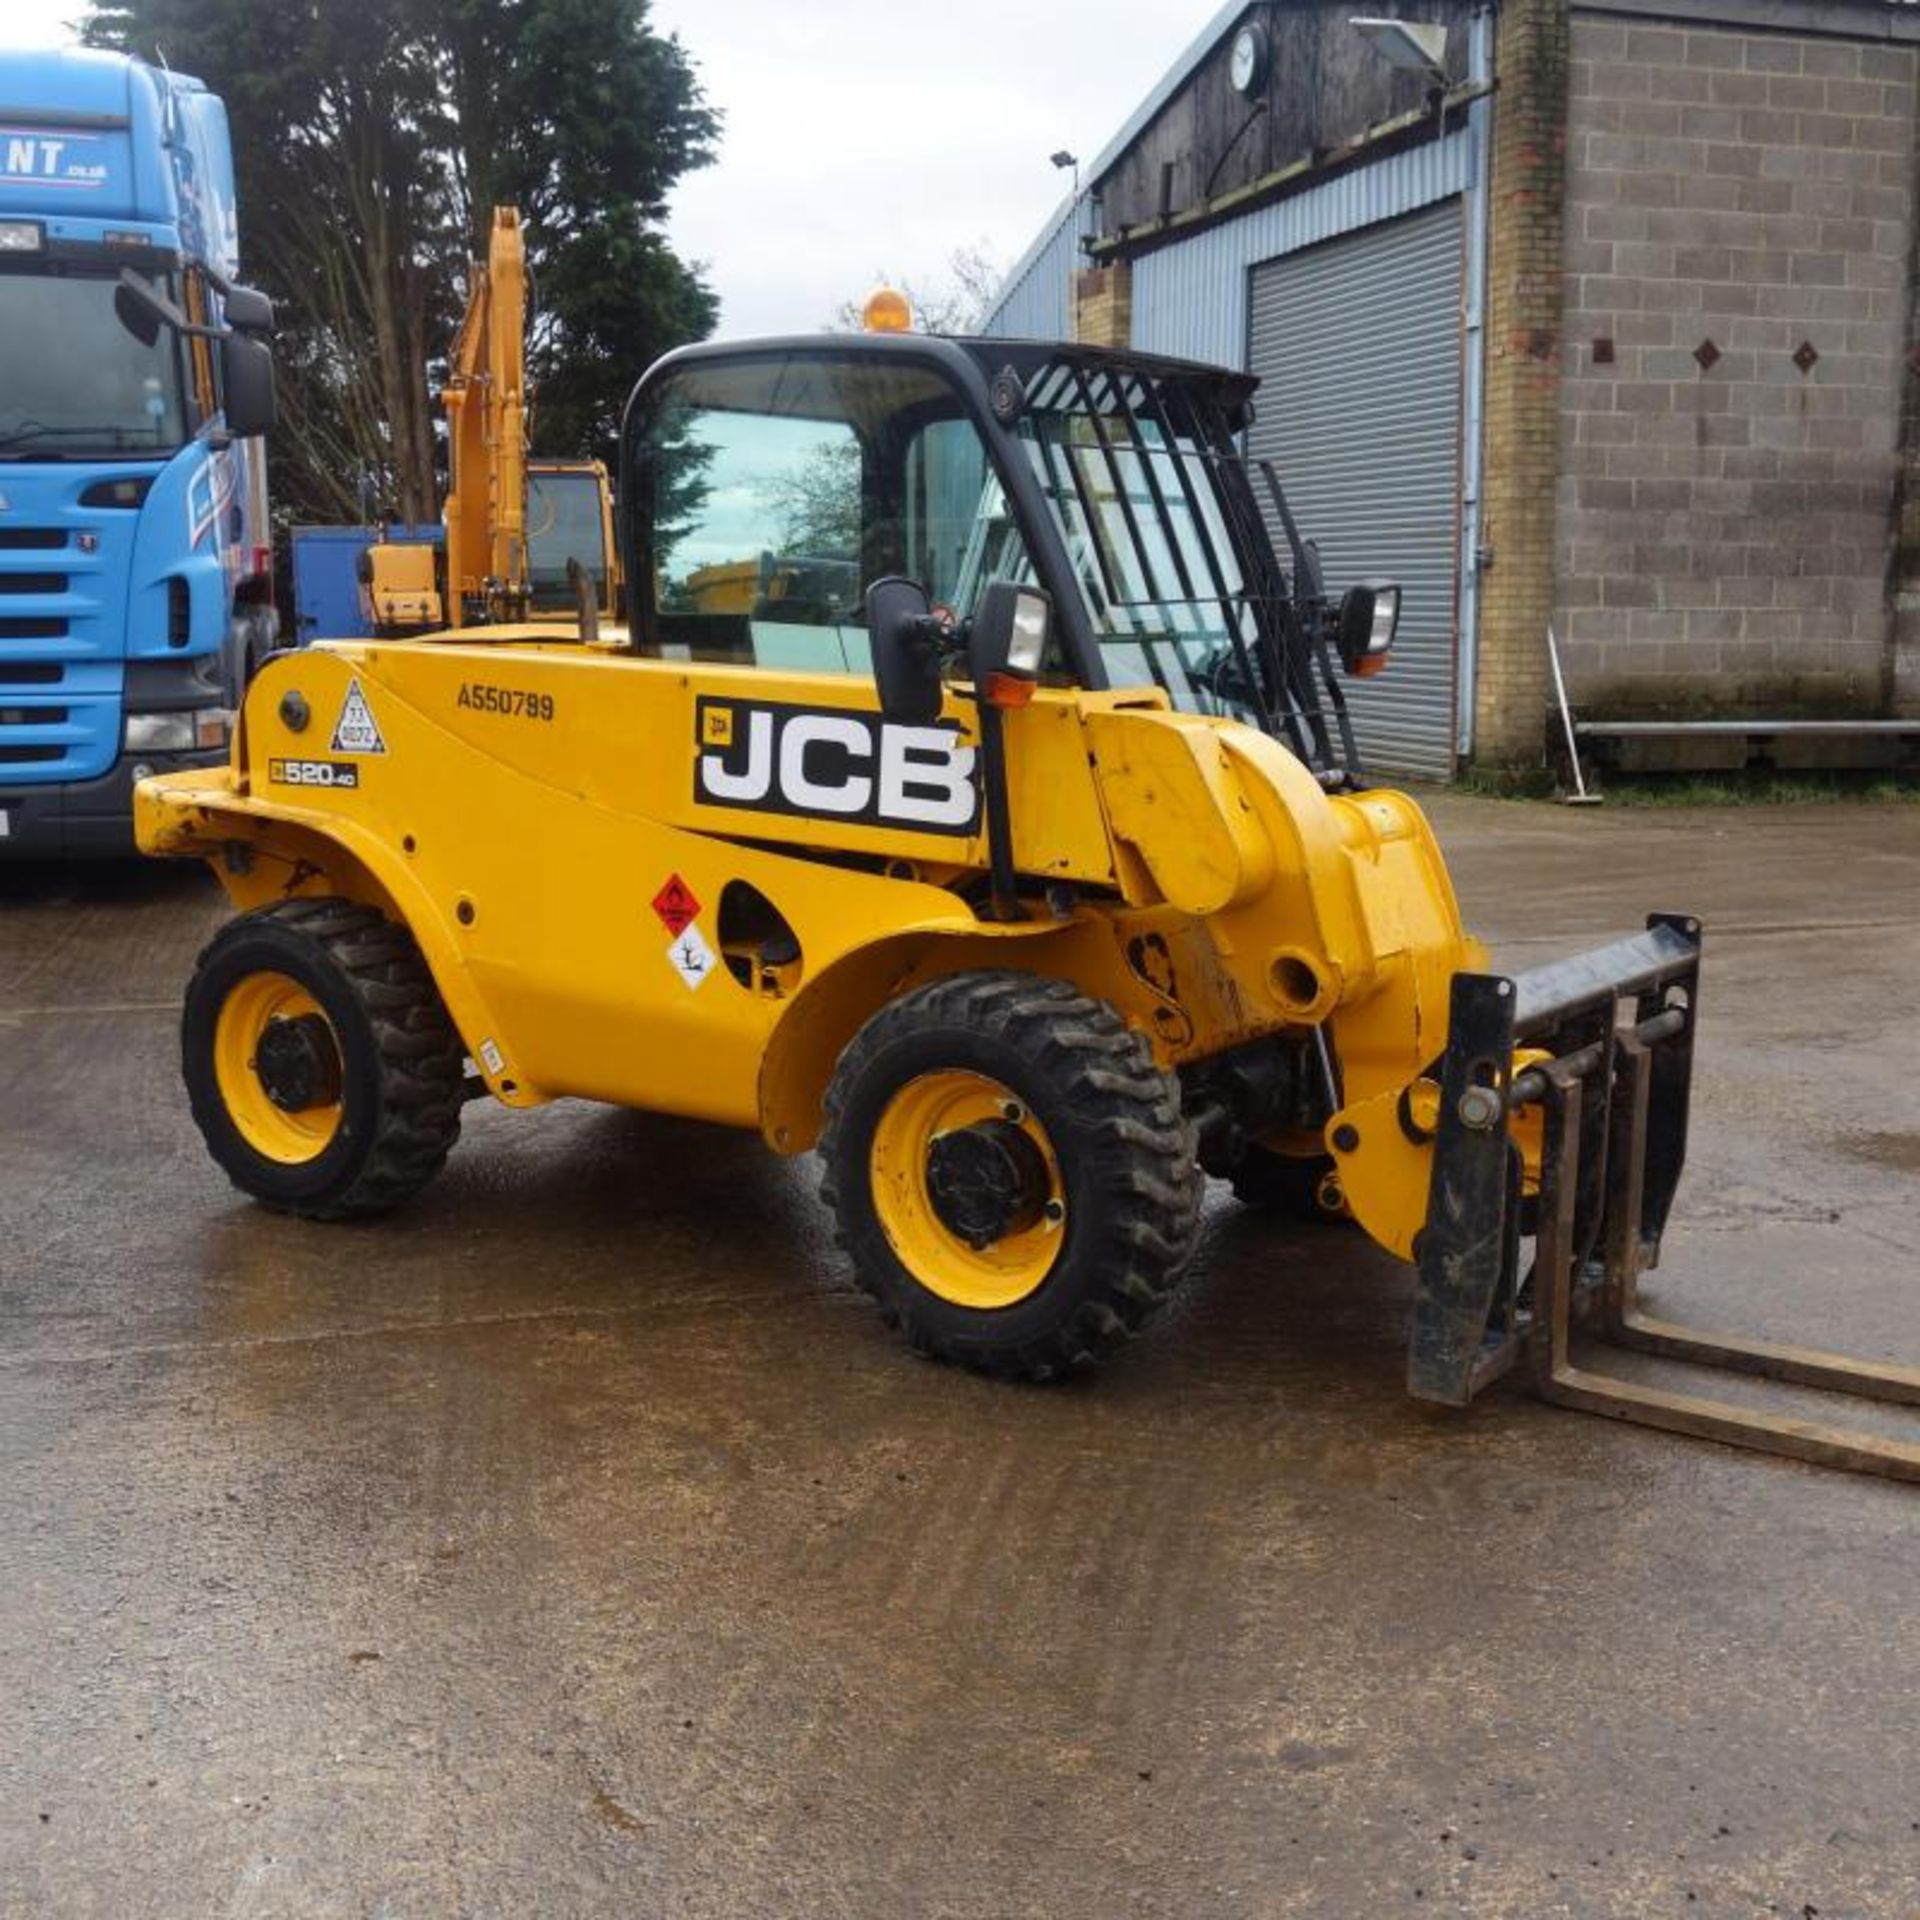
[[973, 799]]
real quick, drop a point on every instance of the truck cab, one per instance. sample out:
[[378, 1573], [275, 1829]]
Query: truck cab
[[135, 568]]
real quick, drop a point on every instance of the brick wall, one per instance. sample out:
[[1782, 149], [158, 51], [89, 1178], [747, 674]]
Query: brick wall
[[1522, 380], [1103, 305], [1725, 513]]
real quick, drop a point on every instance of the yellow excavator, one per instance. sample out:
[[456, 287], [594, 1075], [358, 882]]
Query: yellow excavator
[[515, 529], [972, 798]]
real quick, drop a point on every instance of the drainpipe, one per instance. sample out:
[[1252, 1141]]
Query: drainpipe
[[1476, 213]]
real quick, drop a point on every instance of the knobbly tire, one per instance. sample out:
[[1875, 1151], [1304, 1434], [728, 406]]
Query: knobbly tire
[[326, 1003], [1109, 1162], [1284, 1186]]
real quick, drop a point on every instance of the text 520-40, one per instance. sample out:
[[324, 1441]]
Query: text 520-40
[[515, 702]]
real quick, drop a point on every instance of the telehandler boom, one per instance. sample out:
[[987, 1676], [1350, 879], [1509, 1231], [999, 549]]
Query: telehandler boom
[[973, 799]]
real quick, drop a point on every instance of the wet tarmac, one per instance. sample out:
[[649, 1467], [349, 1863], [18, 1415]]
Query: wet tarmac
[[578, 1543]]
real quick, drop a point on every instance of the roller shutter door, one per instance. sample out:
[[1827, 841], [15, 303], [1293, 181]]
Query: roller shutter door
[[1357, 345]]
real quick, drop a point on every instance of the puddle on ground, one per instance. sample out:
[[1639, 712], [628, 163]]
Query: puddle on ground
[[1889, 1149]]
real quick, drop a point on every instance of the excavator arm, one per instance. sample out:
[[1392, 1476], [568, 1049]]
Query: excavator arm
[[486, 403], [482, 574]]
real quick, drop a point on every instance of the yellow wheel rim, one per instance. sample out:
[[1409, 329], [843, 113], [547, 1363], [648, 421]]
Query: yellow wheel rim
[[1008, 1268], [249, 1014]]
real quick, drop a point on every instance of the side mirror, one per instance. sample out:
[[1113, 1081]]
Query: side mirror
[[904, 640], [248, 310], [1369, 614], [1008, 641], [246, 373]]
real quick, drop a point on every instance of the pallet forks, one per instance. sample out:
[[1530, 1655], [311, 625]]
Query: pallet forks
[[1606, 1054]]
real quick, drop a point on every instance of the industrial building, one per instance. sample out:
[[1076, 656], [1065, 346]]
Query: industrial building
[[1593, 317]]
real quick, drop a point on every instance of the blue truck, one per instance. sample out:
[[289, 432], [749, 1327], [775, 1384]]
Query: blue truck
[[136, 381]]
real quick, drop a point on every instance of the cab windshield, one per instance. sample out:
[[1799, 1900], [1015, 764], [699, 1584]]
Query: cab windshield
[[775, 487], [74, 383]]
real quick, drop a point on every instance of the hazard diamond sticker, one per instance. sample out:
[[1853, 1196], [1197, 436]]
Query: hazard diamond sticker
[[675, 905], [690, 957], [356, 731]]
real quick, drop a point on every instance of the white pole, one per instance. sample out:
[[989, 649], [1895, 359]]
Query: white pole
[[1580, 796]]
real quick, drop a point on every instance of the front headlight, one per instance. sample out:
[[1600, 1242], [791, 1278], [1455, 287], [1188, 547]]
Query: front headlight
[[1364, 628], [1029, 642], [179, 732]]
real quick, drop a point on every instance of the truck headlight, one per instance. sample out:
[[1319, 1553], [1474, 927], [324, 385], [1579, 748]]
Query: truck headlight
[[181, 731]]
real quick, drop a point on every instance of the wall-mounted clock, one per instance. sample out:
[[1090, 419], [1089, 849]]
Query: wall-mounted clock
[[1247, 63]]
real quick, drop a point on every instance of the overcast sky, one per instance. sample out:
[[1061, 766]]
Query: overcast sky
[[868, 135]]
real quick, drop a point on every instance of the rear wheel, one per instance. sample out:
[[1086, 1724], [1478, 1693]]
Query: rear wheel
[[321, 1067], [1010, 1173]]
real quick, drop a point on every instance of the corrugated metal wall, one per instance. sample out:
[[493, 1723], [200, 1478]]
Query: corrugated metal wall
[[1190, 299], [1037, 301], [1357, 344]]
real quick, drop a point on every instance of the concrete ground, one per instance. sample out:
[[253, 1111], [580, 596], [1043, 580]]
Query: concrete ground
[[577, 1543]]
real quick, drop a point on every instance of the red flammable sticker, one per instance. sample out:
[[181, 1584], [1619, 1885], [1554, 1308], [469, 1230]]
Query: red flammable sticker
[[676, 906]]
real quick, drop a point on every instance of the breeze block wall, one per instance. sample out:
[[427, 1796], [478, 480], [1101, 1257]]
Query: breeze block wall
[[1738, 245]]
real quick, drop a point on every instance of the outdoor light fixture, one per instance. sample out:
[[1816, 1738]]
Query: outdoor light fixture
[[1065, 159], [1411, 45]]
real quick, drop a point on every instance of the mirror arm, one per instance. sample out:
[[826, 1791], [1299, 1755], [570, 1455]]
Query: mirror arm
[[1001, 876], [167, 317]]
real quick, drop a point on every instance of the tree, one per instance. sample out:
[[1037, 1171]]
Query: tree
[[818, 500], [371, 143]]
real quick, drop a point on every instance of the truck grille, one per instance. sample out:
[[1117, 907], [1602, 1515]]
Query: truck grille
[[62, 637]]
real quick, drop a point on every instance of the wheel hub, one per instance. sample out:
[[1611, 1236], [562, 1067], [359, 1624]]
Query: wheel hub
[[298, 1063], [986, 1181]]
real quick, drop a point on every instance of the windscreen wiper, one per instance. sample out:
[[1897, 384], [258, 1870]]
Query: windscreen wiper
[[116, 439]]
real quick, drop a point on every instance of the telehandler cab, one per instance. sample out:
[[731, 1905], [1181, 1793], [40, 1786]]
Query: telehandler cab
[[974, 800]]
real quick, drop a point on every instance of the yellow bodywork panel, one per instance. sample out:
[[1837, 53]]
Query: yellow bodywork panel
[[591, 847]]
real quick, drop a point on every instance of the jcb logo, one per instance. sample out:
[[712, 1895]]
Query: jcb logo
[[834, 765]]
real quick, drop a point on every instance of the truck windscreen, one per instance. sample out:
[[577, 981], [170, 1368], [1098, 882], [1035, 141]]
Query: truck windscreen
[[74, 383]]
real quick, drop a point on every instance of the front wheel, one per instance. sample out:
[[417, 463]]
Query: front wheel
[[320, 1064], [1010, 1173]]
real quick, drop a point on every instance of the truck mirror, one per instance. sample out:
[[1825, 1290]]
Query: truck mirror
[[904, 639], [246, 372], [247, 309]]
